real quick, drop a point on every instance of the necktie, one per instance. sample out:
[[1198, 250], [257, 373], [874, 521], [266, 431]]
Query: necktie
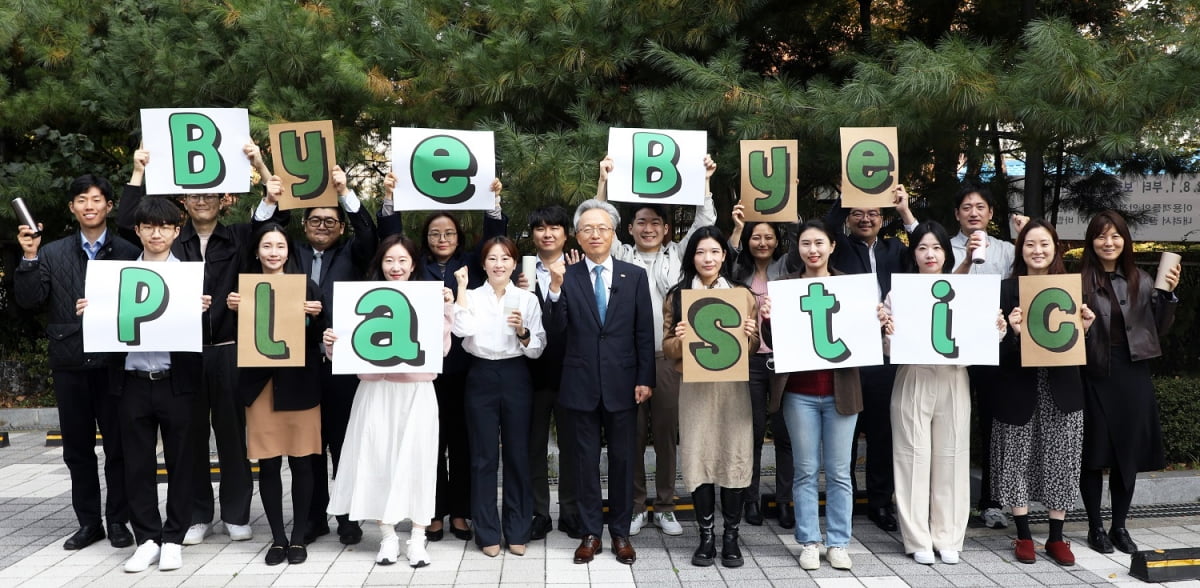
[[601, 292], [316, 267]]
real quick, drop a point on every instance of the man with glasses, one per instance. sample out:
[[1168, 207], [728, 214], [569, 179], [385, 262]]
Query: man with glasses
[[220, 246], [863, 251], [329, 258], [655, 251]]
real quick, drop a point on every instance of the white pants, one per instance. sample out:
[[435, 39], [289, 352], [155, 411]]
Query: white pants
[[931, 455]]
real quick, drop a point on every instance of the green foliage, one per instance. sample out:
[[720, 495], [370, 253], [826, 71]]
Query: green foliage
[[1178, 404]]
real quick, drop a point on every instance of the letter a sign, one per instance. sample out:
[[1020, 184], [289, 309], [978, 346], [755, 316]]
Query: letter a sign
[[142, 306], [715, 349], [196, 150], [388, 327], [443, 170]]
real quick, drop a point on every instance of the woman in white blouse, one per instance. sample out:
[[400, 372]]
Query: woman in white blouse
[[501, 325]]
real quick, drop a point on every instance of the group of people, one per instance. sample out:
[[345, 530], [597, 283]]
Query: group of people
[[592, 341]]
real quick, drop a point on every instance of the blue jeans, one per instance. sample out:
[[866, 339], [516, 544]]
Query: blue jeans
[[820, 436]]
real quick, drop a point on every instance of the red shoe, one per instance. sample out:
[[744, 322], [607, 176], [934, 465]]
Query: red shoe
[[1060, 551], [1023, 550]]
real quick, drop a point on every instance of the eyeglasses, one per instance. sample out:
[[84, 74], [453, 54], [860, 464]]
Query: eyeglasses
[[197, 198], [601, 230], [159, 229], [438, 236], [859, 215], [317, 221]]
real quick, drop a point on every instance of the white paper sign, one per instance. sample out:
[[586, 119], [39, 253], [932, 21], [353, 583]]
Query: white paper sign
[[196, 150], [438, 169], [825, 323], [945, 319], [143, 306], [388, 327], [653, 166]]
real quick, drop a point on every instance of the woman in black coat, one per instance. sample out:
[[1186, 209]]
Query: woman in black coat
[[1121, 428]]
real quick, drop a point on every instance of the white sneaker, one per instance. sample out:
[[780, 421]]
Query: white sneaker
[[239, 532], [389, 551], [417, 556], [666, 521], [994, 518], [949, 556], [196, 534], [145, 556], [810, 556], [170, 557], [637, 522], [923, 557], [838, 558]]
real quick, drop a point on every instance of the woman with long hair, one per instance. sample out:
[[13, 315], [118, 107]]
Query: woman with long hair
[[1121, 427], [1038, 430], [715, 443], [389, 462]]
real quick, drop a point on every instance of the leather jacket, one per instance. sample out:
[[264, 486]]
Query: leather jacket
[[1145, 321]]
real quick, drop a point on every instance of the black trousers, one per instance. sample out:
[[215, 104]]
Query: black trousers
[[760, 397], [337, 397], [216, 397], [983, 414], [83, 404], [454, 454], [620, 429], [499, 403], [145, 408], [875, 422], [545, 405]]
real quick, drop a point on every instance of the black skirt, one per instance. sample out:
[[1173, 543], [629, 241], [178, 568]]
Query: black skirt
[[1120, 424]]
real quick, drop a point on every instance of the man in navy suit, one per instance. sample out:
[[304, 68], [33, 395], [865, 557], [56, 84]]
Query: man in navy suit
[[603, 306]]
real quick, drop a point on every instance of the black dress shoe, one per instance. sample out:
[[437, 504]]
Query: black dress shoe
[[315, 531], [883, 518], [570, 527], [787, 515], [463, 534], [542, 526], [297, 554], [276, 554], [1121, 540], [119, 536], [435, 535], [349, 532], [1098, 540], [754, 516], [86, 535]]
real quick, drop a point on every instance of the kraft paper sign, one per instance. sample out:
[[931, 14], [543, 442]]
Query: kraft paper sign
[[652, 166], [716, 348], [869, 166], [196, 150], [143, 306], [1052, 325], [769, 171], [388, 327], [271, 320], [303, 157], [825, 323], [443, 170], [945, 319]]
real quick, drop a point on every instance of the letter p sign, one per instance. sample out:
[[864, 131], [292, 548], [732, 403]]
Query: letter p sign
[[143, 297]]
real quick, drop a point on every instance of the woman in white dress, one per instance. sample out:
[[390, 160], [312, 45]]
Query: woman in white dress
[[389, 461]]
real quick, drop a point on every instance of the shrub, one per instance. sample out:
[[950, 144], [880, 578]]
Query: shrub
[[1178, 405]]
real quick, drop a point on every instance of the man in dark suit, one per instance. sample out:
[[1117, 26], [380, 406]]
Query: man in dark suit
[[603, 307], [863, 251], [329, 258]]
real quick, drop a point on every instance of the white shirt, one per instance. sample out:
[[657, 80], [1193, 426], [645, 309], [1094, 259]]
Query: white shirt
[[483, 325], [541, 273], [150, 361], [997, 260]]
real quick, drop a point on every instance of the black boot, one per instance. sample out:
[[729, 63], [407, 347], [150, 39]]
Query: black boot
[[704, 499], [731, 514], [787, 515]]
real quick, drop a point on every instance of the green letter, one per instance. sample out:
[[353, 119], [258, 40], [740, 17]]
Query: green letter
[[313, 168], [821, 306], [654, 171], [943, 320], [441, 168], [194, 142], [717, 349], [388, 336], [264, 324], [777, 185], [869, 166], [141, 296], [1046, 302]]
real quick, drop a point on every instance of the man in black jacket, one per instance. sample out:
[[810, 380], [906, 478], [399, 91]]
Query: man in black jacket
[[53, 276], [220, 246], [863, 251]]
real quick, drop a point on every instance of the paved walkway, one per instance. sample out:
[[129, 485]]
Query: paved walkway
[[36, 517]]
